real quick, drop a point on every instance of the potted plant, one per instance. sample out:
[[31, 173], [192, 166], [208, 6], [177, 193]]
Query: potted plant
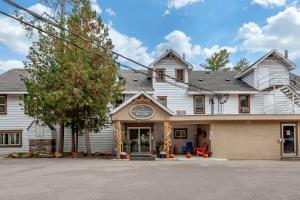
[[126, 144], [158, 147], [123, 155], [163, 154]]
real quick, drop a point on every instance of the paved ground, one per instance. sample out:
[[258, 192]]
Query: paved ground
[[88, 179]]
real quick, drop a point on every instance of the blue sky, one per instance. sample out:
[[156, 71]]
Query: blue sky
[[143, 29]]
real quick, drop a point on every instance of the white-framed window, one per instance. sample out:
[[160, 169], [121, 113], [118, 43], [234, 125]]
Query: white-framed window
[[10, 138], [3, 104], [199, 104], [180, 133], [162, 100]]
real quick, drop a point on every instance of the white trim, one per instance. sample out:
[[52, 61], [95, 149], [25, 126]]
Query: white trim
[[135, 92], [225, 92], [13, 92], [190, 66], [136, 96], [251, 67]]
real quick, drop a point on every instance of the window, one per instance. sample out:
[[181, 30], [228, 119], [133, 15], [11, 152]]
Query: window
[[179, 75], [199, 104], [3, 105], [162, 100], [120, 101], [160, 75], [244, 103], [10, 138], [180, 133]]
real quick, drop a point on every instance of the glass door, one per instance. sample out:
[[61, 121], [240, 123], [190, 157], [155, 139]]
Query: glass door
[[144, 140], [288, 139], [133, 136], [139, 140]]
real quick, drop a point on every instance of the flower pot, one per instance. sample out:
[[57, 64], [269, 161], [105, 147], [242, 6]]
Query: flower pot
[[123, 156], [158, 148]]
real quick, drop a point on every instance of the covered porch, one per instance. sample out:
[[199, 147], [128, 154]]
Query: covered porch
[[144, 127]]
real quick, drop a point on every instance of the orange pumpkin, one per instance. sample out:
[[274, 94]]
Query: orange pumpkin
[[172, 155], [188, 155], [205, 155]]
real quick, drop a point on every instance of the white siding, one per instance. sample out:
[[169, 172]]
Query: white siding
[[15, 120], [177, 97], [100, 142], [249, 79], [38, 131]]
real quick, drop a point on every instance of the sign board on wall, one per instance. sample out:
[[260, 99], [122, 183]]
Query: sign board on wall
[[142, 111]]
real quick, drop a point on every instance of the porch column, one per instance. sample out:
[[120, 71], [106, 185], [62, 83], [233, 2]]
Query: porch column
[[167, 137], [118, 138]]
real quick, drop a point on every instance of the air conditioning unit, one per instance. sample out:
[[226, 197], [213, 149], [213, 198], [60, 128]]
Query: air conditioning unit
[[181, 112], [245, 110]]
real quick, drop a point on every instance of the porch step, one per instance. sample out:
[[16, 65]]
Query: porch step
[[293, 158], [142, 157]]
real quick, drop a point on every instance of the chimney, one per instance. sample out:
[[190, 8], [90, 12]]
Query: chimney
[[286, 54]]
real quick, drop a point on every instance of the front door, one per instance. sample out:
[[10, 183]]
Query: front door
[[139, 140], [288, 139]]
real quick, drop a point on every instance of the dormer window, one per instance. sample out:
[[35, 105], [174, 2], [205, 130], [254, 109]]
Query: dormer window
[[179, 75], [3, 105], [162, 100], [160, 75]]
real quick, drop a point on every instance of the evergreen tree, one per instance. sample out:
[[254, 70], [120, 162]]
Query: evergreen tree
[[241, 65], [218, 61]]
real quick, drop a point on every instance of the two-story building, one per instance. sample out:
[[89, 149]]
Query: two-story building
[[252, 114]]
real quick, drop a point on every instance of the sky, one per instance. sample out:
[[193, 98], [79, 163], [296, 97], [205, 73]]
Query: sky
[[144, 29]]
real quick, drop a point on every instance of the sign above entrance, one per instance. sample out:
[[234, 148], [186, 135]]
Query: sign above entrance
[[141, 111]]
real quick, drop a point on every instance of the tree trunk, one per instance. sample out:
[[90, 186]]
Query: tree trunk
[[61, 139], [77, 136], [87, 135], [73, 138]]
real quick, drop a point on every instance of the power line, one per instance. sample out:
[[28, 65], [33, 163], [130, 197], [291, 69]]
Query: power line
[[90, 41], [82, 48]]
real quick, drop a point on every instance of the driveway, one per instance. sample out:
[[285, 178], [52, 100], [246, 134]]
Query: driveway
[[88, 179]]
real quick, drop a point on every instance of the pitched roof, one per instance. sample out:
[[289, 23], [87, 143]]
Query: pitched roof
[[190, 66], [136, 81], [117, 109], [274, 51], [10, 81], [217, 81]]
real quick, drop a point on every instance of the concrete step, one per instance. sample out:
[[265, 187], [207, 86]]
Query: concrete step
[[292, 158], [142, 157]]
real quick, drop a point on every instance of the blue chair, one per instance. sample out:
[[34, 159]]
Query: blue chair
[[188, 148]]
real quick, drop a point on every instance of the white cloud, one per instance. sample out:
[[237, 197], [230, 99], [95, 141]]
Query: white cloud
[[13, 35], [269, 3], [281, 32], [96, 6], [40, 9], [10, 64], [180, 42], [130, 46], [177, 4], [110, 12]]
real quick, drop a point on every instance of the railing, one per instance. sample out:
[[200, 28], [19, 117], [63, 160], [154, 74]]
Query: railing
[[279, 79]]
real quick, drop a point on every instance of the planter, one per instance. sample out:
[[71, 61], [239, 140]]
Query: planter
[[158, 149], [163, 155], [123, 156]]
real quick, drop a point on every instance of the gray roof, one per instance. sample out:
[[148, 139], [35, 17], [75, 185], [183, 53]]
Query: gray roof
[[217, 81], [136, 81], [10, 81]]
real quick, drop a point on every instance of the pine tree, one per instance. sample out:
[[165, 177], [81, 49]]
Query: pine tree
[[218, 61], [241, 65]]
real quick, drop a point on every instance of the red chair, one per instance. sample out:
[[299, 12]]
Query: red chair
[[200, 150]]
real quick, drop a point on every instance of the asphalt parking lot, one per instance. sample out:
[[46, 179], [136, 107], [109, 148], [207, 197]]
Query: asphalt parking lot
[[62, 179]]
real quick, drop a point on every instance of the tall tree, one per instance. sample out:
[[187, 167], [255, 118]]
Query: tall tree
[[218, 61], [92, 84], [241, 65]]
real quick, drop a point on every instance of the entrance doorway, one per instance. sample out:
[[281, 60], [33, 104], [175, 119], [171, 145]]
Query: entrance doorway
[[139, 138], [288, 135]]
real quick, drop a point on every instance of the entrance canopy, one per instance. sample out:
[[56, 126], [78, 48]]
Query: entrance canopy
[[139, 108]]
